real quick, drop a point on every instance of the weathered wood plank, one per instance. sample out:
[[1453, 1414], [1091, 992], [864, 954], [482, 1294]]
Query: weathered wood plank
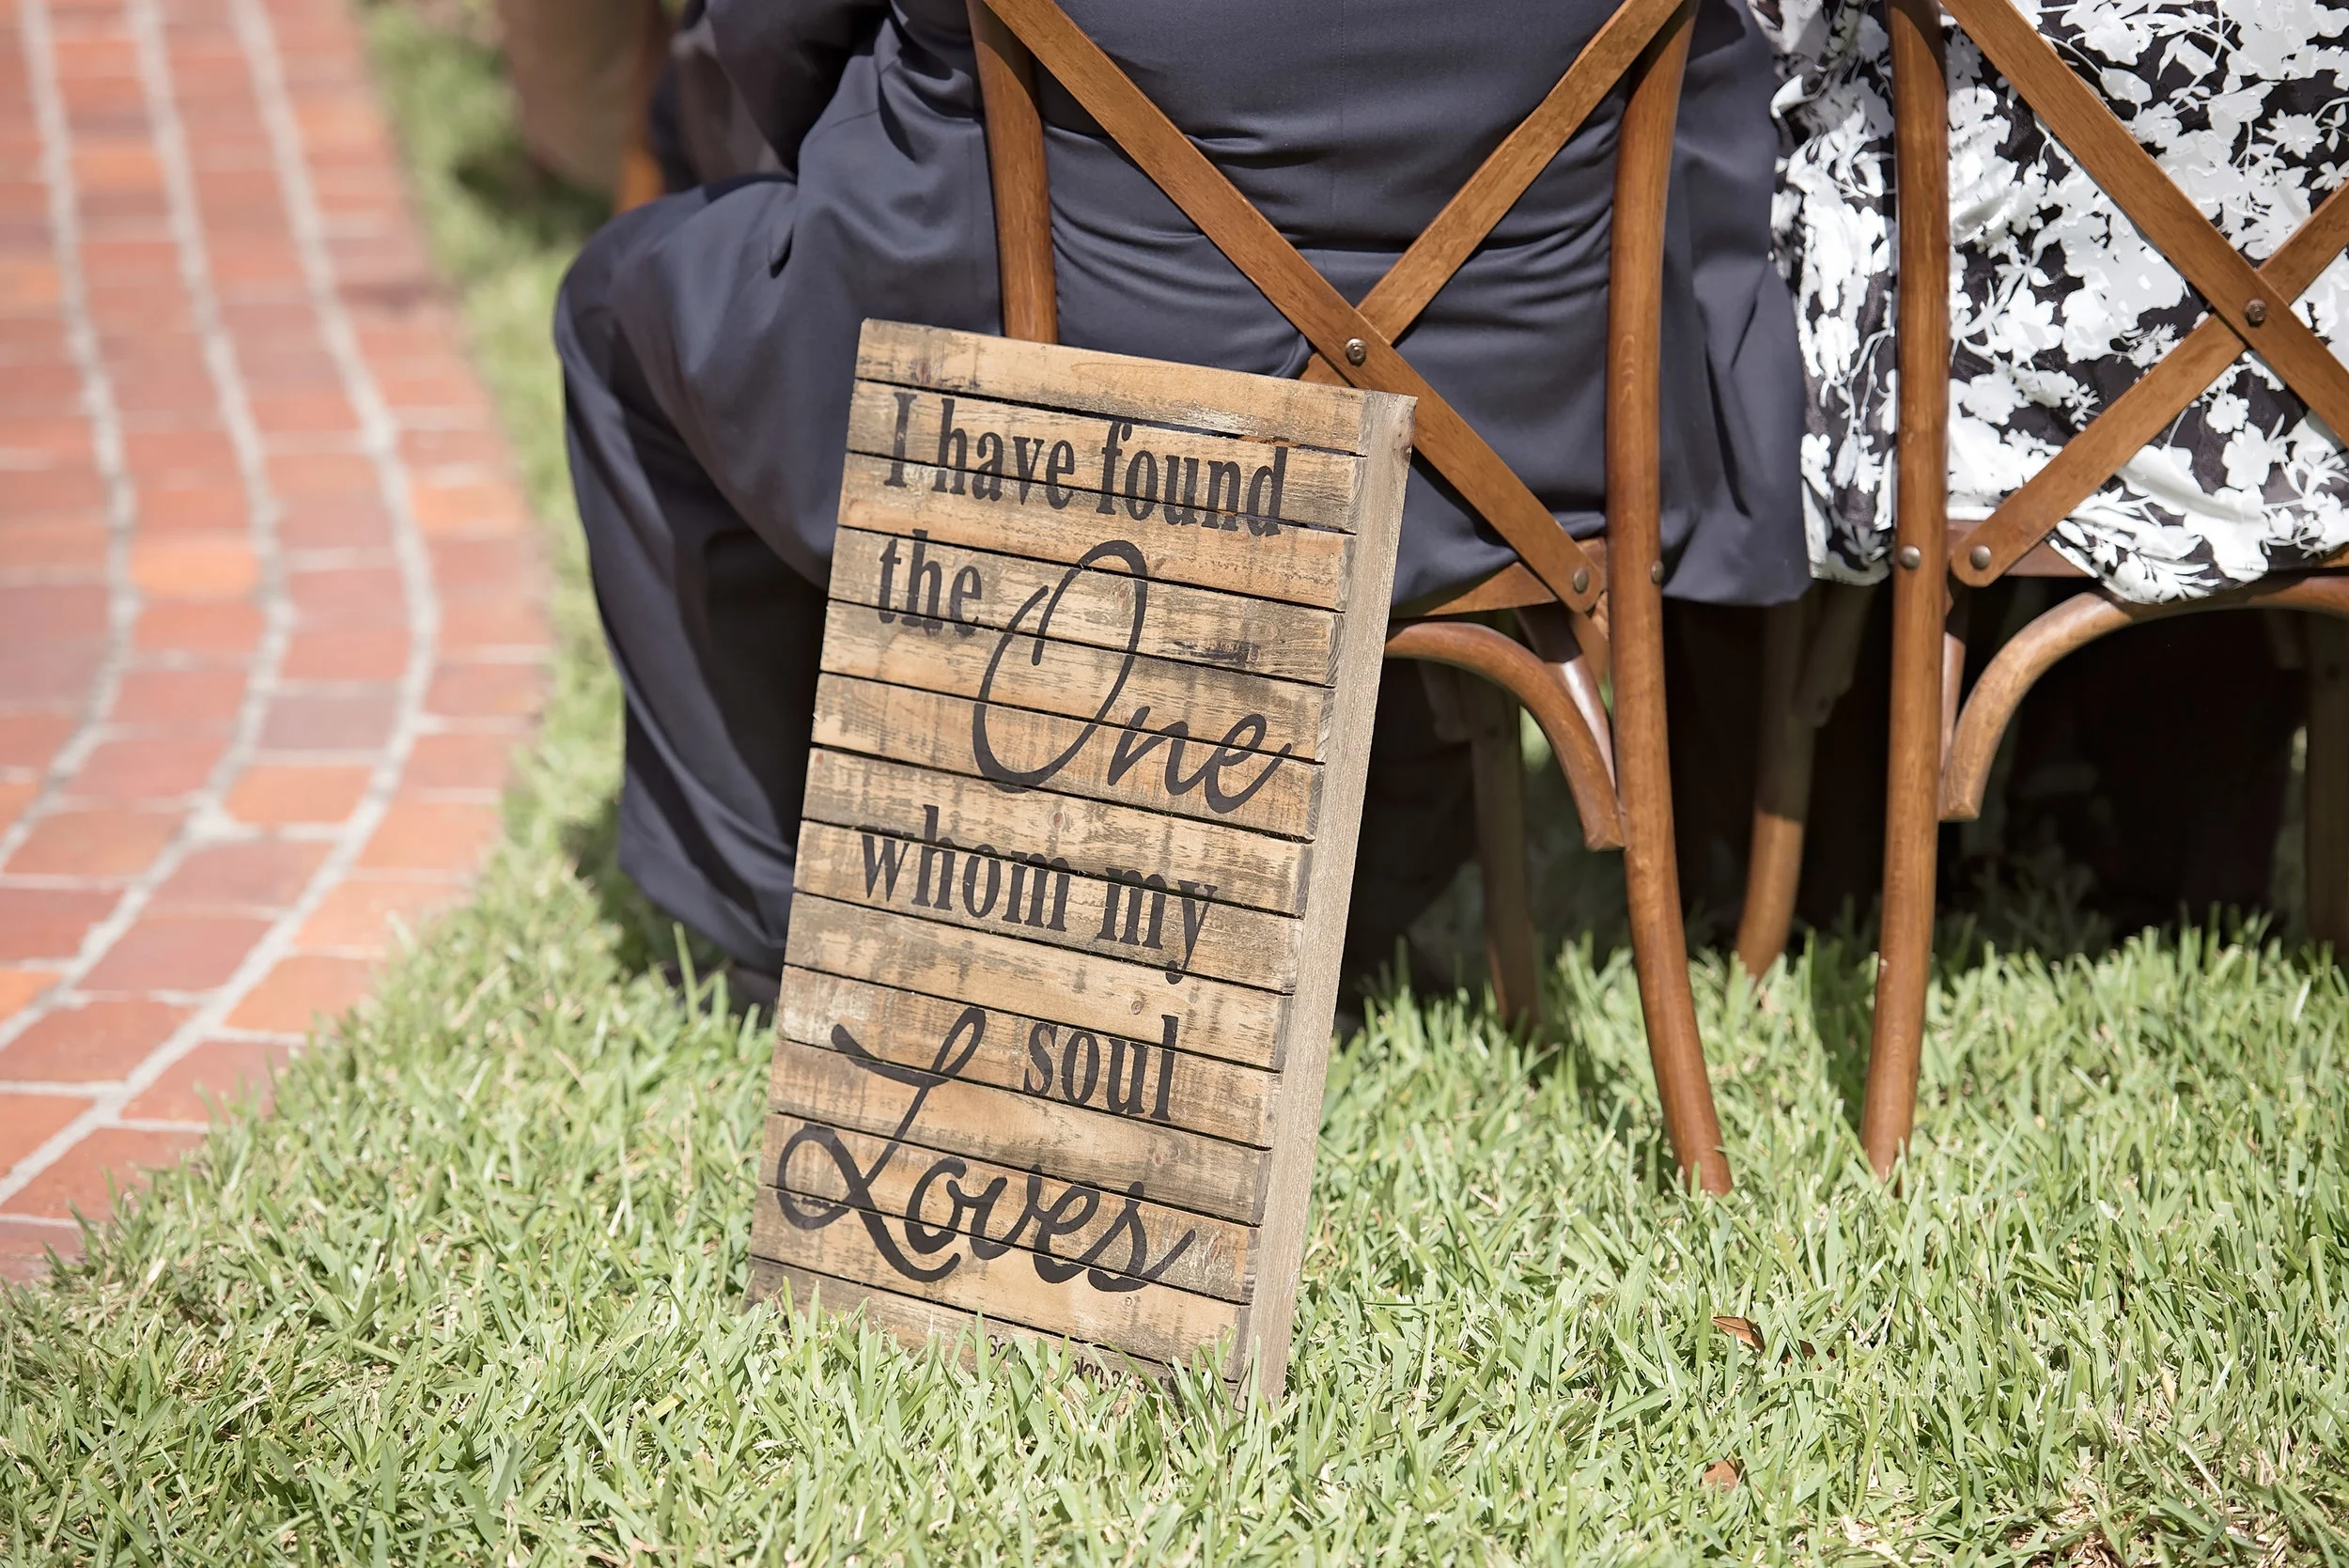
[[917, 1325], [1093, 382], [1116, 1074], [1124, 471], [1180, 1170], [1257, 870], [925, 1199], [1300, 566], [1232, 1023], [1192, 626], [927, 729], [1178, 928], [1361, 648], [1220, 707], [1154, 1321]]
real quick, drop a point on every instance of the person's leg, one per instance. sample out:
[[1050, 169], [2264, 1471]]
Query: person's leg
[[716, 641]]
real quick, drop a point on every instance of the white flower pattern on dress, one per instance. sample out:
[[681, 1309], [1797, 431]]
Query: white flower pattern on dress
[[2058, 303]]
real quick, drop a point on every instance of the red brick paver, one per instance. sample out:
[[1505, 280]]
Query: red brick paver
[[272, 615]]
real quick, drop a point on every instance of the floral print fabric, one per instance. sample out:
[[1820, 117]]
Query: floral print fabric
[[2058, 303]]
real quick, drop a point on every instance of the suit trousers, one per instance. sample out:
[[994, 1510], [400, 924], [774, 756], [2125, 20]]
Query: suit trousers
[[718, 642]]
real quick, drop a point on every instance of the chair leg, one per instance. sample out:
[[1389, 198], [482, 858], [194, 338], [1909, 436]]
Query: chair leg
[[2324, 813], [1911, 842], [1782, 796], [1920, 602], [1498, 761]]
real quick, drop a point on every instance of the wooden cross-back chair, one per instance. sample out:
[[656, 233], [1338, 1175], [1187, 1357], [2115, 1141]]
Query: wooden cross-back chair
[[1942, 749], [1578, 620]]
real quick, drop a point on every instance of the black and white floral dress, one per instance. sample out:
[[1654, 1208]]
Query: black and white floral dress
[[2058, 303]]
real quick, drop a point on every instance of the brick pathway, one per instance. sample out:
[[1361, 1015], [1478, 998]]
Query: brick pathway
[[271, 610]]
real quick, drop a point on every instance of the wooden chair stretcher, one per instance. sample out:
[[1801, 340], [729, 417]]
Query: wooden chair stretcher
[[1584, 626]]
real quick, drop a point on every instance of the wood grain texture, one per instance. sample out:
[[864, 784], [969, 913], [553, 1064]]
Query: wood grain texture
[[1154, 1321], [1233, 1023], [1361, 648], [1920, 602], [930, 730], [1301, 566], [1062, 958], [1022, 187], [1173, 927], [1254, 870], [1092, 380], [1042, 1056], [1191, 626], [906, 423], [922, 1326], [1636, 611], [1177, 1168], [1212, 1257], [1015, 670]]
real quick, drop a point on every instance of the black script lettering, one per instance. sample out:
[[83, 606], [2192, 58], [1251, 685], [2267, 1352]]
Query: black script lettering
[[982, 751], [1166, 1066], [897, 457], [1125, 1085], [923, 573], [938, 851], [969, 1215], [1109, 467], [1040, 1041], [1195, 896], [1063, 462], [1223, 494], [1263, 513], [883, 855], [1136, 886], [1055, 871], [1070, 1213], [1024, 454], [986, 481], [1186, 510], [954, 448], [1137, 1271], [1130, 753], [974, 904], [968, 589], [1141, 485], [1070, 1089], [888, 581]]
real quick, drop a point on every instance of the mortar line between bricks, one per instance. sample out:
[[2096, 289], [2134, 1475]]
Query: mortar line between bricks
[[203, 824], [257, 42], [39, 49]]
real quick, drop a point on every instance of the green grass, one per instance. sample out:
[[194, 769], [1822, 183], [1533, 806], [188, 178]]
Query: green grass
[[472, 1294]]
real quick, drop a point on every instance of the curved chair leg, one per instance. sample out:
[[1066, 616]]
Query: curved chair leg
[[2325, 819], [1781, 793], [1659, 940], [1912, 815], [1497, 760]]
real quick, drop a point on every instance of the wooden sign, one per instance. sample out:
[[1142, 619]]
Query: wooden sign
[[1099, 667]]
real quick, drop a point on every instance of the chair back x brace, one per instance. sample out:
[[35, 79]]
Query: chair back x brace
[[1619, 774], [1942, 752]]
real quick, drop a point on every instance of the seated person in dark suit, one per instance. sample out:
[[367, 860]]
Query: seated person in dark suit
[[709, 342]]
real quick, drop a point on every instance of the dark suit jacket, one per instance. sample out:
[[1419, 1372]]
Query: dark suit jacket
[[1350, 123]]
